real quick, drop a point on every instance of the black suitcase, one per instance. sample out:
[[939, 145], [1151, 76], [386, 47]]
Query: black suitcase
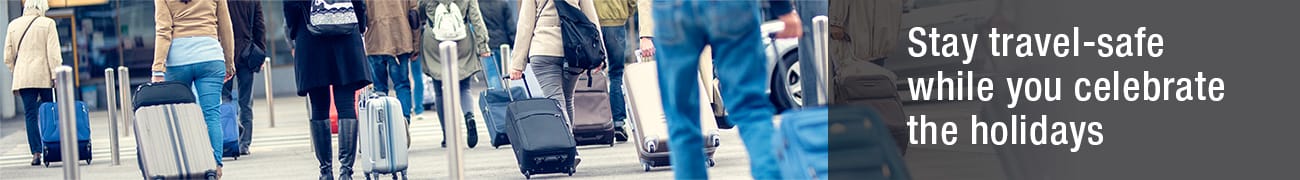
[[542, 140]]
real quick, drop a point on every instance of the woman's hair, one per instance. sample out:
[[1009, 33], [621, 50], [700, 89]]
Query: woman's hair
[[39, 6]]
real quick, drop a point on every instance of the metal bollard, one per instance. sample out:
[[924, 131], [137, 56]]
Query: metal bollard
[[820, 29], [270, 97], [110, 81], [450, 106], [67, 121], [124, 84]]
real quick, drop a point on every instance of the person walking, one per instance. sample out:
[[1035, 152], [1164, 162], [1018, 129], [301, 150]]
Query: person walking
[[462, 22], [195, 45], [614, 15], [31, 53], [388, 50], [732, 29], [337, 60], [250, 48]]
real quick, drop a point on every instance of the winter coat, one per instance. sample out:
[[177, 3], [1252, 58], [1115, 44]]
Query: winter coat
[[539, 34], [468, 49], [390, 30], [32, 64], [321, 61]]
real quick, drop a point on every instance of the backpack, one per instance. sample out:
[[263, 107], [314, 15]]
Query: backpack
[[448, 22], [332, 18], [583, 47]]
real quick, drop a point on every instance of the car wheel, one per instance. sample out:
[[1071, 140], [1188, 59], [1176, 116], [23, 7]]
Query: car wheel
[[787, 83]]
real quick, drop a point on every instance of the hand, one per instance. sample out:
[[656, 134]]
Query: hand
[[516, 74], [230, 74], [793, 26], [486, 54], [647, 47]]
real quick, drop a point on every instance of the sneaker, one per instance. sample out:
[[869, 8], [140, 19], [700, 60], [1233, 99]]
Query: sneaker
[[577, 160], [619, 134]]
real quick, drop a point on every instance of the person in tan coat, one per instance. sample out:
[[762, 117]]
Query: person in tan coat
[[31, 53], [195, 45]]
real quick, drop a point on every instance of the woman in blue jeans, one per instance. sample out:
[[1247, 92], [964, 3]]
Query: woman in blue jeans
[[195, 45]]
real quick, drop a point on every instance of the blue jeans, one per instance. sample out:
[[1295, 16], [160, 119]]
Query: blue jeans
[[808, 10], [417, 86], [384, 67], [732, 29], [206, 78], [32, 99], [616, 47]]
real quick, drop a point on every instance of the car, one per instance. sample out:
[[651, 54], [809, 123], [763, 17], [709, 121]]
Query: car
[[784, 86]]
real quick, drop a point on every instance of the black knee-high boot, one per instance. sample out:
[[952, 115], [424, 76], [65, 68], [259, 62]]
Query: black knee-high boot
[[347, 147], [320, 140]]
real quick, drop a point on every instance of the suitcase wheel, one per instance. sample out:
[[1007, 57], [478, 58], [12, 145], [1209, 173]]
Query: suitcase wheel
[[711, 162], [212, 176], [403, 175], [87, 162], [527, 175], [646, 166], [367, 176]]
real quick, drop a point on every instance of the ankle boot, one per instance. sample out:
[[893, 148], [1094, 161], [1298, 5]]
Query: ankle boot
[[347, 147], [320, 140], [471, 130], [443, 125]]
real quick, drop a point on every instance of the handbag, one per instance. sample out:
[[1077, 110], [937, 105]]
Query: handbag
[[253, 55]]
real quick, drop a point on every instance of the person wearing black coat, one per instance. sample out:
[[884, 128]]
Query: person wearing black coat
[[250, 37], [322, 62]]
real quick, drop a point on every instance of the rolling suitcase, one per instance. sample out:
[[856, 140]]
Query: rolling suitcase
[[649, 123], [593, 121], [382, 139], [171, 137], [804, 142], [542, 141], [49, 128], [493, 101], [230, 126]]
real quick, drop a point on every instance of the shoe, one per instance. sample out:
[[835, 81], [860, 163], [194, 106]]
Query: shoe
[[619, 134], [245, 153], [320, 140], [577, 160], [36, 159], [347, 147], [472, 130]]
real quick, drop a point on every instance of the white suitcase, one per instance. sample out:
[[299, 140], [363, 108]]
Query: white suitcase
[[649, 122], [172, 142], [382, 141]]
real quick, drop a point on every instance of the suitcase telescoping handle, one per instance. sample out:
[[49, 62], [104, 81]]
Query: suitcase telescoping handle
[[506, 57]]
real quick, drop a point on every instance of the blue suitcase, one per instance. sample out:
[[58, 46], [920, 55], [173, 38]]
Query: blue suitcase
[[49, 124], [493, 103], [230, 130]]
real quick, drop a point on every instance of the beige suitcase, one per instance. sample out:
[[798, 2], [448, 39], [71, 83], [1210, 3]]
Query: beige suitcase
[[649, 123], [172, 142]]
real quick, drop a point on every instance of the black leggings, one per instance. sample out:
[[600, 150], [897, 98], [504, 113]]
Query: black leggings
[[319, 101]]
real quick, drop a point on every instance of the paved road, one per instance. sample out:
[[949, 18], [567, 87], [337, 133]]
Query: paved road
[[284, 152]]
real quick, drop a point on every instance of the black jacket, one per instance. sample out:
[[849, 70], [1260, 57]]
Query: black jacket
[[499, 16], [321, 61], [247, 22]]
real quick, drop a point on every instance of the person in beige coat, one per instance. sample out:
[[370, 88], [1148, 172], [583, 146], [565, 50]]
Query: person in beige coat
[[31, 53], [538, 43], [195, 45]]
